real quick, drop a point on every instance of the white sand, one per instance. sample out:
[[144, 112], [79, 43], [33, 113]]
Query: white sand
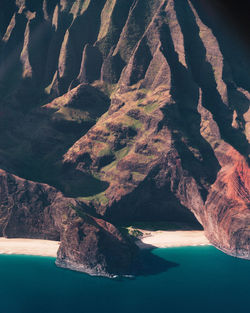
[[29, 246], [165, 239], [158, 239]]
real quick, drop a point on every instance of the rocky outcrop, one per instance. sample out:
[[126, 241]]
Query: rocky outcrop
[[26, 208], [33, 210], [96, 247], [134, 110]]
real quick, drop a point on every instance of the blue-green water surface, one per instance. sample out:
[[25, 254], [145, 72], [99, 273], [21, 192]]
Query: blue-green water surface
[[204, 281]]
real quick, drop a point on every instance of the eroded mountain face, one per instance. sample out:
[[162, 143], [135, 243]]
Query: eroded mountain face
[[121, 110]]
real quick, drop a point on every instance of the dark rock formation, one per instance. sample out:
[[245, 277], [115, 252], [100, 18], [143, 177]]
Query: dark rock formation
[[134, 110], [33, 210], [96, 247]]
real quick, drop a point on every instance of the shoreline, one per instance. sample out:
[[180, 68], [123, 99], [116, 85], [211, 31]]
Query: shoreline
[[148, 240], [170, 239], [25, 246]]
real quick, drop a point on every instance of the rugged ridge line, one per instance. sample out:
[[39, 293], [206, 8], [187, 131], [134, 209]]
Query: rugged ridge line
[[134, 110]]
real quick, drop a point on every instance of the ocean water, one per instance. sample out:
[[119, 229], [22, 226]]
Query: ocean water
[[194, 279]]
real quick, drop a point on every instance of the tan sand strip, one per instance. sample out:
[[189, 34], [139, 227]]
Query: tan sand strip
[[165, 239], [29, 246]]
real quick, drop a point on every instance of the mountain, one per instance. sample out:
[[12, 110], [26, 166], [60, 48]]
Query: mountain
[[116, 111]]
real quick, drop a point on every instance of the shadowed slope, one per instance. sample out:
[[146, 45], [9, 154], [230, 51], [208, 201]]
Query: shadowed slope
[[139, 109]]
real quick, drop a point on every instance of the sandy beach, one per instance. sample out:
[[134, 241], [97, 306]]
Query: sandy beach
[[149, 239], [29, 246], [165, 239]]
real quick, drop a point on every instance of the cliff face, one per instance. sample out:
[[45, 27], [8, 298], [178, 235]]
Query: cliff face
[[131, 110]]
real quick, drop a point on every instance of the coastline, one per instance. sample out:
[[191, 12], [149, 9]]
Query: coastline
[[168, 239], [26, 246], [148, 240]]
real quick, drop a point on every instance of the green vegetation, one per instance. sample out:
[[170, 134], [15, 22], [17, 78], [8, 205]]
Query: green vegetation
[[109, 166], [144, 90], [122, 153], [107, 88], [99, 198], [131, 232], [134, 232], [131, 122], [151, 107], [138, 176], [74, 115], [105, 152], [78, 211], [139, 103]]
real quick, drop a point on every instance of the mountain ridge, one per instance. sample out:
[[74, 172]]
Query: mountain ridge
[[134, 110]]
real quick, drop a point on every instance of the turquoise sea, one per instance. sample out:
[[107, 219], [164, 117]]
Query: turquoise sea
[[193, 279]]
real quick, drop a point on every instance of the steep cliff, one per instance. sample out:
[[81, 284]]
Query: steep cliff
[[122, 110]]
